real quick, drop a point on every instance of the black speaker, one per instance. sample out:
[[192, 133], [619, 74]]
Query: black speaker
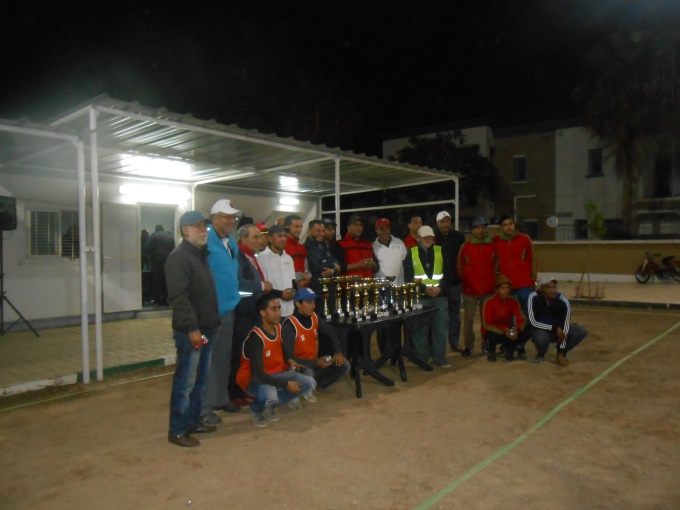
[[8, 213]]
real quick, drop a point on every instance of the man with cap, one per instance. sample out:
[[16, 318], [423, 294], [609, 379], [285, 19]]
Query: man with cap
[[332, 243], [414, 224], [358, 254], [503, 321], [223, 261], [451, 240], [264, 236], [477, 269], [550, 317], [277, 267], [320, 261], [293, 226], [390, 253], [263, 371], [301, 333], [157, 248], [426, 262], [195, 321]]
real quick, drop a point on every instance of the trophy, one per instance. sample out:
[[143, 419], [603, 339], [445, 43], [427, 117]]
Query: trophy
[[348, 296], [357, 299], [384, 296], [418, 281], [376, 298], [324, 290], [404, 299], [395, 297], [338, 295], [364, 294], [412, 295]]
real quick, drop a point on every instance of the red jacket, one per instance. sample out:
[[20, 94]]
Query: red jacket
[[356, 251], [477, 266], [410, 241], [297, 252], [516, 259], [496, 314]]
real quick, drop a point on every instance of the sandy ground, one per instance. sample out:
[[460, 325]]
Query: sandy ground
[[475, 436]]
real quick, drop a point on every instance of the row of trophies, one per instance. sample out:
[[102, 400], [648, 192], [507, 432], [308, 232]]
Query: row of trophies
[[366, 298]]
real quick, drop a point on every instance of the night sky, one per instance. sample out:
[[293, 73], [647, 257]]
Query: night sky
[[289, 67]]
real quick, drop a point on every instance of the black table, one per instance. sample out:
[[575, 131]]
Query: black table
[[360, 339]]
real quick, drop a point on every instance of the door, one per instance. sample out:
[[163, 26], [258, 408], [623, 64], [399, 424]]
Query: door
[[121, 258]]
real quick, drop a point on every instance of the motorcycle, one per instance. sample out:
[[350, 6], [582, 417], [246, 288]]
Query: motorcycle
[[669, 268]]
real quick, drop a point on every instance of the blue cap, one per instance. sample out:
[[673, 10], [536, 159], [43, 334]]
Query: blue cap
[[190, 217], [304, 294]]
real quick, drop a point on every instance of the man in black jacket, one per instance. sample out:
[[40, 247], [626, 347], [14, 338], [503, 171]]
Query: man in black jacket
[[195, 320], [321, 263]]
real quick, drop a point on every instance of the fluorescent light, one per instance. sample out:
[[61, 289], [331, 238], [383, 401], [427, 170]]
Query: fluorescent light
[[288, 201], [152, 194], [157, 167], [288, 183]]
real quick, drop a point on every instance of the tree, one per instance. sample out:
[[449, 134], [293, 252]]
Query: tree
[[446, 151], [632, 93]]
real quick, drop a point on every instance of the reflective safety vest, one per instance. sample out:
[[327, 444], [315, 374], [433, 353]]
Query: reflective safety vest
[[419, 270]]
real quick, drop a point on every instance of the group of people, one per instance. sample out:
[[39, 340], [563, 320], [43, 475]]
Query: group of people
[[246, 306]]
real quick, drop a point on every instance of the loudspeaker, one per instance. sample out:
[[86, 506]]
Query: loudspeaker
[[8, 213]]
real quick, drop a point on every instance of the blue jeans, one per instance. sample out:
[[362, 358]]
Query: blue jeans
[[216, 393], [522, 295], [439, 324], [453, 296], [267, 395], [542, 338], [191, 374], [324, 377]]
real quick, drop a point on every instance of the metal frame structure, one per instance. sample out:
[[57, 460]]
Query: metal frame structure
[[120, 134]]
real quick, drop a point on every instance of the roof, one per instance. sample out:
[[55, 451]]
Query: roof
[[133, 140]]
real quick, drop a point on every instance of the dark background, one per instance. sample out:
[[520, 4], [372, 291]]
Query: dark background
[[342, 73]]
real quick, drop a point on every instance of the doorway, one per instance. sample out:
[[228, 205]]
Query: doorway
[[152, 216]]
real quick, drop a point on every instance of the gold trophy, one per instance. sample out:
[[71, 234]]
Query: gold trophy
[[357, 299], [324, 291], [365, 286], [412, 295], [338, 294], [418, 281], [376, 298], [395, 297], [404, 299]]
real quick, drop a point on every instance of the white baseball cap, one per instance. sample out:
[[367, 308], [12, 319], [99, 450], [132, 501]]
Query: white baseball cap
[[425, 231], [442, 214], [224, 206]]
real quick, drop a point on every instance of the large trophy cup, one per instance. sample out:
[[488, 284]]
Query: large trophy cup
[[324, 291]]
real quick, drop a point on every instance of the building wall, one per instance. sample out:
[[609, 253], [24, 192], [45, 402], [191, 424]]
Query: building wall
[[478, 135]]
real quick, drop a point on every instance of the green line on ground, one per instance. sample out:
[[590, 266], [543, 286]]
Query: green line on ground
[[108, 372], [505, 449]]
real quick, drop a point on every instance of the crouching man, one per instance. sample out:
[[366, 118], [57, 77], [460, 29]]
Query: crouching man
[[264, 371], [503, 322], [550, 317], [300, 334]]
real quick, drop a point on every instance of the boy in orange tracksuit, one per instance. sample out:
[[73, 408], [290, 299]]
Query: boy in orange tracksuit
[[476, 266], [503, 321]]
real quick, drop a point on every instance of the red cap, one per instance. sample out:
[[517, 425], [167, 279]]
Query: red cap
[[382, 222], [262, 227]]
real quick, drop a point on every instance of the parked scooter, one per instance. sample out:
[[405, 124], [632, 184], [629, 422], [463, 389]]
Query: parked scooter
[[669, 268]]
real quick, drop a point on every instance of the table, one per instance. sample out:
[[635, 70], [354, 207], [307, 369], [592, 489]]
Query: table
[[360, 339]]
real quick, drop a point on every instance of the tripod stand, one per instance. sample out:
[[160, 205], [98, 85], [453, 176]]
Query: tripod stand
[[4, 299]]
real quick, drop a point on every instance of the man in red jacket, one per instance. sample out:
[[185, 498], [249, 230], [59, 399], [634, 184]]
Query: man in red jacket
[[503, 321], [293, 225], [359, 255], [476, 267]]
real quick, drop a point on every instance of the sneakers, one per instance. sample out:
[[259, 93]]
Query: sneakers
[[562, 359], [184, 440], [521, 353], [257, 418], [491, 357], [210, 419], [466, 353], [310, 397], [270, 413], [456, 348], [538, 359], [294, 404], [446, 364]]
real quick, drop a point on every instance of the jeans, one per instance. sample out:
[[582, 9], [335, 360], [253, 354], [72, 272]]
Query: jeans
[[542, 338], [324, 377], [439, 323], [522, 295], [216, 393], [453, 297], [191, 374], [470, 304], [267, 395]]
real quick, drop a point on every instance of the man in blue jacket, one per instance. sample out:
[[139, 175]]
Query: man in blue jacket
[[223, 263]]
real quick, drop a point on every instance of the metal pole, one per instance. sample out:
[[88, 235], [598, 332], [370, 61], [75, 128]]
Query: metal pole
[[456, 215], [82, 241], [337, 195], [96, 243]]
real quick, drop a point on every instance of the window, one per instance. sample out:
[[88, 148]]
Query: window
[[53, 234], [663, 175], [595, 163], [519, 169]]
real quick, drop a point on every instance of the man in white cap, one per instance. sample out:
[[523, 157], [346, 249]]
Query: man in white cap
[[426, 262], [451, 240], [279, 269], [550, 317], [390, 253], [224, 265]]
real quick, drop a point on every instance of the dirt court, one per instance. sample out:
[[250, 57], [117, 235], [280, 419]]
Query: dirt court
[[603, 433]]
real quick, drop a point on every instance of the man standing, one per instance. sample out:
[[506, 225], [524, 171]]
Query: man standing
[[263, 371], [277, 267], [358, 254], [451, 240], [195, 319], [320, 262], [159, 246], [293, 225], [426, 262], [414, 224], [390, 252], [335, 249], [476, 267], [550, 317], [301, 333], [224, 267]]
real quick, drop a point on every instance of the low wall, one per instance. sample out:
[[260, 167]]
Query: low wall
[[613, 260]]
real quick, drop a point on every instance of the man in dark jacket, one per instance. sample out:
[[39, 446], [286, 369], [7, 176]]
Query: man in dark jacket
[[321, 263], [157, 248], [195, 320], [550, 317]]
